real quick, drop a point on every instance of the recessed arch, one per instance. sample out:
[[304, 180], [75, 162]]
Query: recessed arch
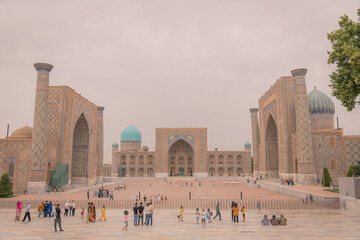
[[180, 155], [271, 146]]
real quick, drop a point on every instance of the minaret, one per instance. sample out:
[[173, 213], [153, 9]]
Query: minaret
[[304, 155], [255, 139], [37, 177], [100, 140]]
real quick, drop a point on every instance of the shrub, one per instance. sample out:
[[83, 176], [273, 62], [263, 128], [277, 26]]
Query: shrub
[[326, 179], [5, 186]]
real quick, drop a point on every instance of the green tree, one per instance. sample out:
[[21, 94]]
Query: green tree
[[5, 186], [345, 80], [356, 170], [326, 179]]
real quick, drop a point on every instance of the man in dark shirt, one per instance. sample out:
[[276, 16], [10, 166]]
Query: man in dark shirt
[[45, 208], [57, 219], [135, 209], [141, 214]]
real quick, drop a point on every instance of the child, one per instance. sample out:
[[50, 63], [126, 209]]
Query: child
[[82, 214], [197, 214], [181, 216], [209, 214], [203, 217], [103, 213], [243, 213], [126, 213]]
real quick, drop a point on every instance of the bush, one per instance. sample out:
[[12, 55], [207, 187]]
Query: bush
[[356, 170], [326, 179], [5, 186]]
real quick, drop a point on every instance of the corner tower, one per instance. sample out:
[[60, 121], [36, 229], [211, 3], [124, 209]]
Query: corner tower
[[306, 173], [255, 138], [37, 173]]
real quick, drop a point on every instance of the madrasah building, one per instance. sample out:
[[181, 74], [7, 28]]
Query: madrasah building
[[293, 134]]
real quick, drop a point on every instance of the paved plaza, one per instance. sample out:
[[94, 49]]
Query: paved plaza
[[208, 190], [330, 224]]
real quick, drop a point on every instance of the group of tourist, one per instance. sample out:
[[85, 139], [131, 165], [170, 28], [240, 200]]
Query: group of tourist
[[308, 198], [19, 211], [155, 198], [235, 209], [140, 211], [45, 209], [274, 220], [103, 193], [288, 182], [120, 187]]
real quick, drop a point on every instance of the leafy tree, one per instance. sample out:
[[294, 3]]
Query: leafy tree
[[5, 186], [326, 179], [345, 81], [356, 170]]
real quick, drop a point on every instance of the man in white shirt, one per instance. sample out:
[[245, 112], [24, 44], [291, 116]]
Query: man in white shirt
[[73, 208], [147, 214], [151, 211], [67, 204], [27, 212]]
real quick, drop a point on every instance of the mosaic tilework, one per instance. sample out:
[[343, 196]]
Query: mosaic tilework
[[187, 137], [352, 150]]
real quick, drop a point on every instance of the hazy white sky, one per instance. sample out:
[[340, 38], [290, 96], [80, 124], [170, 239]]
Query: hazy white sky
[[167, 63]]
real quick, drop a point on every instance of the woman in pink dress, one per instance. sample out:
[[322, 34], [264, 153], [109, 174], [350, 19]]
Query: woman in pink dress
[[18, 211]]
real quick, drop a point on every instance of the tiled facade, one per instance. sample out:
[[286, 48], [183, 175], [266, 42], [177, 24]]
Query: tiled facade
[[179, 152], [297, 139], [68, 129]]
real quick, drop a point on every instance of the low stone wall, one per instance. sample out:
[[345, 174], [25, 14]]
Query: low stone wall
[[350, 202], [188, 204]]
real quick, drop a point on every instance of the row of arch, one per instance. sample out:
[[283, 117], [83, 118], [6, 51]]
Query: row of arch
[[140, 160], [229, 159], [133, 172], [221, 172], [181, 161]]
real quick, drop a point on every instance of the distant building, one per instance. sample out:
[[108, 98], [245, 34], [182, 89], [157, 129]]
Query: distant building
[[293, 134], [178, 152]]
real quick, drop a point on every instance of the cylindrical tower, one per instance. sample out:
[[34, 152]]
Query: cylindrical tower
[[100, 140], [255, 139], [115, 159], [37, 177], [304, 155]]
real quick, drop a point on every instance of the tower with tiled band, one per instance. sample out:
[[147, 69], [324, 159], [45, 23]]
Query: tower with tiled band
[[37, 171], [306, 171], [255, 138]]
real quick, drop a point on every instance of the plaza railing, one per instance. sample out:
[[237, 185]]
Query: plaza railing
[[250, 204]]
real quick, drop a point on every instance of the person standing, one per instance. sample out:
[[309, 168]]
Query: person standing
[[73, 207], [203, 217], [18, 211], [111, 195], [103, 213], [232, 210], [27, 212], [235, 212], [49, 209], [57, 219], [151, 211], [147, 214], [45, 208], [218, 211], [135, 210], [70, 208], [182, 213], [243, 213], [88, 194], [66, 208], [197, 214], [259, 206], [141, 214]]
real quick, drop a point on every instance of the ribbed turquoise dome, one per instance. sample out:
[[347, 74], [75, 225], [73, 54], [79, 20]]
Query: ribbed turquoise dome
[[247, 144], [320, 103], [130, 133], [115, 144]]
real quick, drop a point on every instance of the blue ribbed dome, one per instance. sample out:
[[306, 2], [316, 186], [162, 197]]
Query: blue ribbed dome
[[320, 103], [115, 144], [130, 133], [247, 144]]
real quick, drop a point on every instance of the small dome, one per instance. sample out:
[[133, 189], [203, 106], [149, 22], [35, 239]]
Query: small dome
[[130, 133], [115, 144], [320, 103], [247, 144], [24, 132]]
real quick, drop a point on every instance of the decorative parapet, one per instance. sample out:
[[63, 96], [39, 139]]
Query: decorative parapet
[[299, 73], [43, 66]]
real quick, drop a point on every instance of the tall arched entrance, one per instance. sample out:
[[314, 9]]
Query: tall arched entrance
[[271, 144], [181, 157], [79, 163]]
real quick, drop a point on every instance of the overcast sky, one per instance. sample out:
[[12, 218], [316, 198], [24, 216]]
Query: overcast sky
[[167, 63]]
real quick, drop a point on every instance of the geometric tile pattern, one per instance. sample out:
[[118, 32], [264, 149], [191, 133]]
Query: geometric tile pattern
[[352, 146]]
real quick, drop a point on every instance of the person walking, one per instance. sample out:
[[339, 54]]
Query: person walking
[[18, 212], [235, 213], [243, 213], [103, 213], [218, 211], [135, 210], [27, 212], [73, 207], [57, 219], [40, 209], [126, 215], [141, 214]]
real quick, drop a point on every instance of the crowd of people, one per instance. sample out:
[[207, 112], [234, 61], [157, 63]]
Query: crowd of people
[[275, 221], [288, 182], [140, 211], [101, 193]]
